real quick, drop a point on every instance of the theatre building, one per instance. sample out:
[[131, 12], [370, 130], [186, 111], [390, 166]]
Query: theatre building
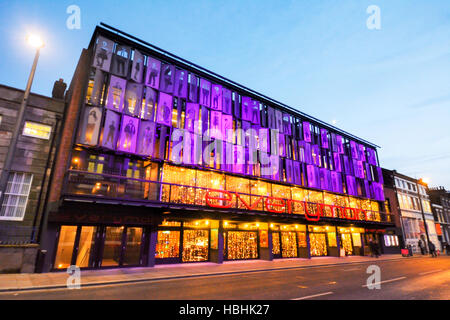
[[162, 161]]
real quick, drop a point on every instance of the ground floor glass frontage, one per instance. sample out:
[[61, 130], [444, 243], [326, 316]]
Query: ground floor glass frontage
[[198, 241]]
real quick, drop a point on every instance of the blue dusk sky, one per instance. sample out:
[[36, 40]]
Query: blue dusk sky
[[389, 86]]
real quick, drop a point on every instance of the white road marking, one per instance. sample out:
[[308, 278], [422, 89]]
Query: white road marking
[[428, 272], [385, 281], [314, 295]]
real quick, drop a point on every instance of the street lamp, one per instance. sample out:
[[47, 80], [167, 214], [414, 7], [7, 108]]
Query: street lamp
[[36, 42]]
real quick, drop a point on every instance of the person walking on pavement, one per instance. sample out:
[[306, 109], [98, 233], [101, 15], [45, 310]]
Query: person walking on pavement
[[432, 248], [376, 248], [421, 246]]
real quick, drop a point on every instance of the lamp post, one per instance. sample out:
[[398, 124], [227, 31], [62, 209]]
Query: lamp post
[[36, 42]]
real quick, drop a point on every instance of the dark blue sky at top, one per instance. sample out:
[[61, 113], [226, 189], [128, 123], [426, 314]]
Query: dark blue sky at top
[[388, 86]]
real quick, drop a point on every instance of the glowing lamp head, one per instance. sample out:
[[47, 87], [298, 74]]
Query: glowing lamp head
[[35, 41]]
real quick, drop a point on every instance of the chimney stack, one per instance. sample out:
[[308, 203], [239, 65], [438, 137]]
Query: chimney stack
[[59, 88]]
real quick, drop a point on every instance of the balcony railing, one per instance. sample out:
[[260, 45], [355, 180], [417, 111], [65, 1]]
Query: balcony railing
[[111, 186]]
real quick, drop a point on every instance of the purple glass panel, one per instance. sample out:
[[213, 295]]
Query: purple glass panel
[[337, 162], [227, 127], [336, 181], [334, 147], [205, 92], [137, 69], [90, 128], [246, 108], [340, 144], [380, 175], [133, 99], [121, 60], [216, 97], [289, 171], [362, 153], [167, 80], [287, 123], [193, 88], [316, 154], [128, 134], [255, 116], [180, 89], [358, 169], [308, 153], [226, 101], [306, 132], [297, 173], [164, 113], [281, 145], [351, 185], [192, 111], [146, 138], [148, 112], [103, 53], [279, 120], [377, 189], [153, 69], [205, 119], [276, 165], [271, 118], [372, 157], [216, 125], [264, 141], [368, 172], [313, 176], [110, 130], [366, 189], [324, 138], [354, 150], [116, 94], [236, 105], [97, 90], [347, 168], [238, 159]]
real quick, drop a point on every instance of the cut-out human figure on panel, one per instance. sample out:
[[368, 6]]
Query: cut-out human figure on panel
[[205, 93], [167, 77], [190, 119], [121, 59], [153, 73], [255, 112], [147, 140], [130, 131], [111, 134], [117, 96], [216, 97], [181, 83], [102, 54], [137, 69], [90, 127], [166, 112]]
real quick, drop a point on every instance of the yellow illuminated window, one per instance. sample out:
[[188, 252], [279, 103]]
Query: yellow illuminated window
[[36, 130]]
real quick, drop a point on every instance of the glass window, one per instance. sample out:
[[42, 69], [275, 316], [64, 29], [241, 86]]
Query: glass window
[[85, 253], [16, 196], [36, 130], [332, 239], [195, 245], [66, 243], [112, 247], [276, 248], [289, 244], [133, 246], [356, 239], [318, 244], [168, 244], [242, 245]]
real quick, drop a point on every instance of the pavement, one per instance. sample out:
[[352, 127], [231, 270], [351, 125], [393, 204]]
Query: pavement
[[89, 278]]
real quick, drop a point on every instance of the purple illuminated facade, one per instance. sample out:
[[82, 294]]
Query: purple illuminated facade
[[147, 114]]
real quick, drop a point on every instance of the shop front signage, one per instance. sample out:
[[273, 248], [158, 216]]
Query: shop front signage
[[279, 205]]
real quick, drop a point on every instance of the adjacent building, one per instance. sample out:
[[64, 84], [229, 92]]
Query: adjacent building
[[28, 177], [440, 204], [408, 196], [163, 161]]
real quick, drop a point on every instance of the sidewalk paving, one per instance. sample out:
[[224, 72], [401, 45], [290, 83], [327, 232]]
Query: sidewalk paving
[[35, 281]]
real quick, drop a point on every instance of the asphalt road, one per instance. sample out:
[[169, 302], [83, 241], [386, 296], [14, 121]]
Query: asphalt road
[[416, 278]]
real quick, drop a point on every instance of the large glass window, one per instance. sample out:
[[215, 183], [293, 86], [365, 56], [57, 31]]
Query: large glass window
[[36, 130], [242, 245], [195, 245], [16, 196], [276, 248], [133, 246], [112, 247], [289, 244], [168, 244], [66, 243], [85, 253], [318, 244]]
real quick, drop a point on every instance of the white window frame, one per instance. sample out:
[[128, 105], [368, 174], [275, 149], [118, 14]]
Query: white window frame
[[15, 197], [37, 136]]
